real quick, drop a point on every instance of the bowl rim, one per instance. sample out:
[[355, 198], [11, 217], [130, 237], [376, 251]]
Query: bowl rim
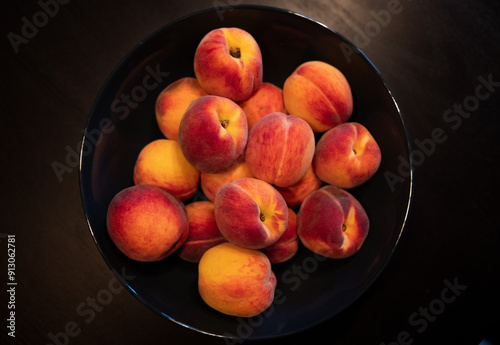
[[356, 50]]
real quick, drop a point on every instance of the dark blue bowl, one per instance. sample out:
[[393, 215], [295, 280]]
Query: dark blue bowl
[[310, 289]]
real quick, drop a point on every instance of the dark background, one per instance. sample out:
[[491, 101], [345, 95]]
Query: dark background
[[432, 54]]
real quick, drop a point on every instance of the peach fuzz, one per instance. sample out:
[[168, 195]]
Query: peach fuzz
[[161, 163], [250, 213], [210, 183], [147, 223], [280, 149], [295, 194], [320, 94], [228, 63], [172, 102], [213, 134], [267, 99], [347, 156], [203, 231], [331, 222], [287, 245], [236, 281]]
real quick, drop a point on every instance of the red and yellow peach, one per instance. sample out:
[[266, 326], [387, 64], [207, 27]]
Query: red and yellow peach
[[318, 93], [147, 223], [331, 222]]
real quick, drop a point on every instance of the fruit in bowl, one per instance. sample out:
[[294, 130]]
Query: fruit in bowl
[[213, 134], [331, 222], [280, 149], [147, 223], [320, 94], [228, 63], [347, 156], [236, 281], [250, 213]]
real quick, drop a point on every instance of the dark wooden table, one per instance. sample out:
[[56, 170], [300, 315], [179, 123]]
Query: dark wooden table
[[440, 58]]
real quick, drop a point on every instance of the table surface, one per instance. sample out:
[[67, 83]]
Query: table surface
[[442, 284]]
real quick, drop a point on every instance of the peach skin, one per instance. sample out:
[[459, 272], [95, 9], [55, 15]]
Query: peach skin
[[288, 244], [331, 222], [250, 213], [213, 134], [236, 281], [320, 94], [203, 231], [347, 156], [161, 163], [267, 99], [228, 63], [210, 183], [172, 103], [295, 194], [147, 223], [280, 149]]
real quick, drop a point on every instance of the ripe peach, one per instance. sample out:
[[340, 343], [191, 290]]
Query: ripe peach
[[347, 156], [213, 134], [203, 231], [236, 281], [280, 149], [228, 63], [320, 94], [210, 183], [250, 213], [147, 223], [172, 103], [267, 99], [287, 245], [331, 222], [161, 163], [295, 194]]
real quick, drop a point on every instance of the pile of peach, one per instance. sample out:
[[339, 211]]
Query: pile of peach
[[250, 147]]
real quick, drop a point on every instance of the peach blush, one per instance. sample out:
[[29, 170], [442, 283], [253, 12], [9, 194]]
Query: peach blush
[[347, 156], [320, 94], [332, 223], [280, 149], [228, 63], [213, 134], [250, 213], [146, 223], [203, 231], [287, 245]]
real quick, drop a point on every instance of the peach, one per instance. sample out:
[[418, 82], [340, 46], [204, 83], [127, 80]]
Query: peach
[[210, 183], [147, 223], [228, 63], [267, 99], [172, 103], [236, 281], [213, 134], [203, 231], [318, 93], [250, 213], [161, 163], [287, 245], [280, 149], [331, 222], [295, 194], [347, 156]]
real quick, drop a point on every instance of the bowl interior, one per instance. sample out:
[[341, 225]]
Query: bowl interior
[[122, 121]]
